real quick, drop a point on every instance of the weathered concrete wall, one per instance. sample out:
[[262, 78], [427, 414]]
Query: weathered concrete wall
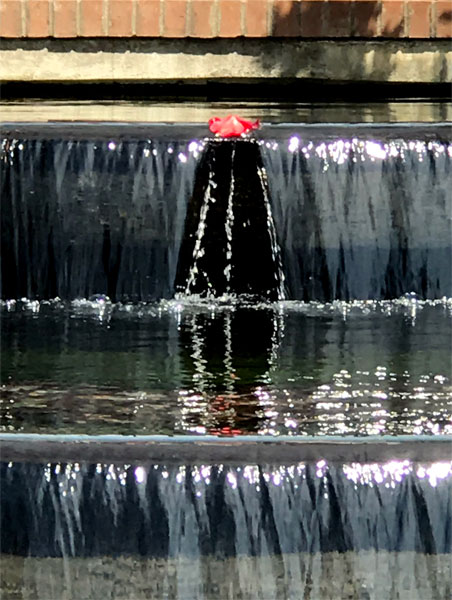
[[354, 575], [429, 61]]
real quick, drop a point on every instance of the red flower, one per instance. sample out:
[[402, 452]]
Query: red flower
[[231, 126]]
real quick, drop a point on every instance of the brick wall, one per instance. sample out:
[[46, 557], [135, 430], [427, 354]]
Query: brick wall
[[226, 18]]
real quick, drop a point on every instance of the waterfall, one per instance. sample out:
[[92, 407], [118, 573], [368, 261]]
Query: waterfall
[[362, 218], [326, 265], [230, 245], [158, 510], [309, 217], [84, 217], [84, 531]]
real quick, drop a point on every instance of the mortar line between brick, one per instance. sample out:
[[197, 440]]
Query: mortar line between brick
[[188, 18], [379, 19], [405, 18], [215, 19], [270, 16], [350, 18], [105, 11], [78, 9], [242, 17], [24, 17], [408, 13], [433, 17], [134, 17], [162, 18], [51, 25]]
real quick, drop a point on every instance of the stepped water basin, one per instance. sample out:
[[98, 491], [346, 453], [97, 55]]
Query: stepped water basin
[[225, 366]]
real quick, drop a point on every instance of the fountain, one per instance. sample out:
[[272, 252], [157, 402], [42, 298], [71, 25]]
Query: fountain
[[224, 363]]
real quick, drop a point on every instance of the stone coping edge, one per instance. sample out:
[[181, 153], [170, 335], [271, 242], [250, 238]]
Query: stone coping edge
[[191, 449], [186, 131]]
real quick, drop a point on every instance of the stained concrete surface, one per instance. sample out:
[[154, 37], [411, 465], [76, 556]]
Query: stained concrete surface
[[421, 61], [367, 575]]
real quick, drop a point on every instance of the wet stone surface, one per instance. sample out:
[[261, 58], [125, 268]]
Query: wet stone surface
[[328, 576]]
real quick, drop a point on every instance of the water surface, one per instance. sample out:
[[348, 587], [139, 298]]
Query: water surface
[[343, 368]]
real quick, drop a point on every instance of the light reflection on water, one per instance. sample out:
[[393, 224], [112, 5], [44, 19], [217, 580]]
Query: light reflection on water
[[227, 367], [224, 510], [388, 474]]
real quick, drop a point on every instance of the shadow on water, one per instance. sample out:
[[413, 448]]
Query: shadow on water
[[229, 244]]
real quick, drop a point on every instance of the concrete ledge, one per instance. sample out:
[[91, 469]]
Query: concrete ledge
[[160, 60], [185, 132], [215, 450]]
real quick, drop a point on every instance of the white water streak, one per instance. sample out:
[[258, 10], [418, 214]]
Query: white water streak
[[228, 226], [276, 252], [198, 251]]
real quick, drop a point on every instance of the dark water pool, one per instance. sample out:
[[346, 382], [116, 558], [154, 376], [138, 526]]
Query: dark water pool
[[345, 368]]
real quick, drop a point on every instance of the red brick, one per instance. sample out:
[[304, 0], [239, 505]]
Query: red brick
[[365, 18], [231, 18], [443, 19], [393, 18], [338, 19], [312, 18], [120, 18], [65, 18], [286, 18], [202, 19], [175, 18], [10, 18], [256, 18], [148, 18], [38, 18], [91, 18], [419, 18]]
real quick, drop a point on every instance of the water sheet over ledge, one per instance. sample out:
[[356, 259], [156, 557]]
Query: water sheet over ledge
[[359, 211], [226, 530]]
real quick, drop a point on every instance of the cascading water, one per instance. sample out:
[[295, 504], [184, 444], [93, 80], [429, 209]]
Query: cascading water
[[84, 217], [362, 218], [352, 218], [311, 271], [230, 245], [204, 518]]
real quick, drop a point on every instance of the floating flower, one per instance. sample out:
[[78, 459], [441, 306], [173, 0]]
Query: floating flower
[[231, 126]]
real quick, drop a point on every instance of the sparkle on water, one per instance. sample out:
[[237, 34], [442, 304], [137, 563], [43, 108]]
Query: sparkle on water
[[202, 384], [229, 510], [388, 474], [347, 218]]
